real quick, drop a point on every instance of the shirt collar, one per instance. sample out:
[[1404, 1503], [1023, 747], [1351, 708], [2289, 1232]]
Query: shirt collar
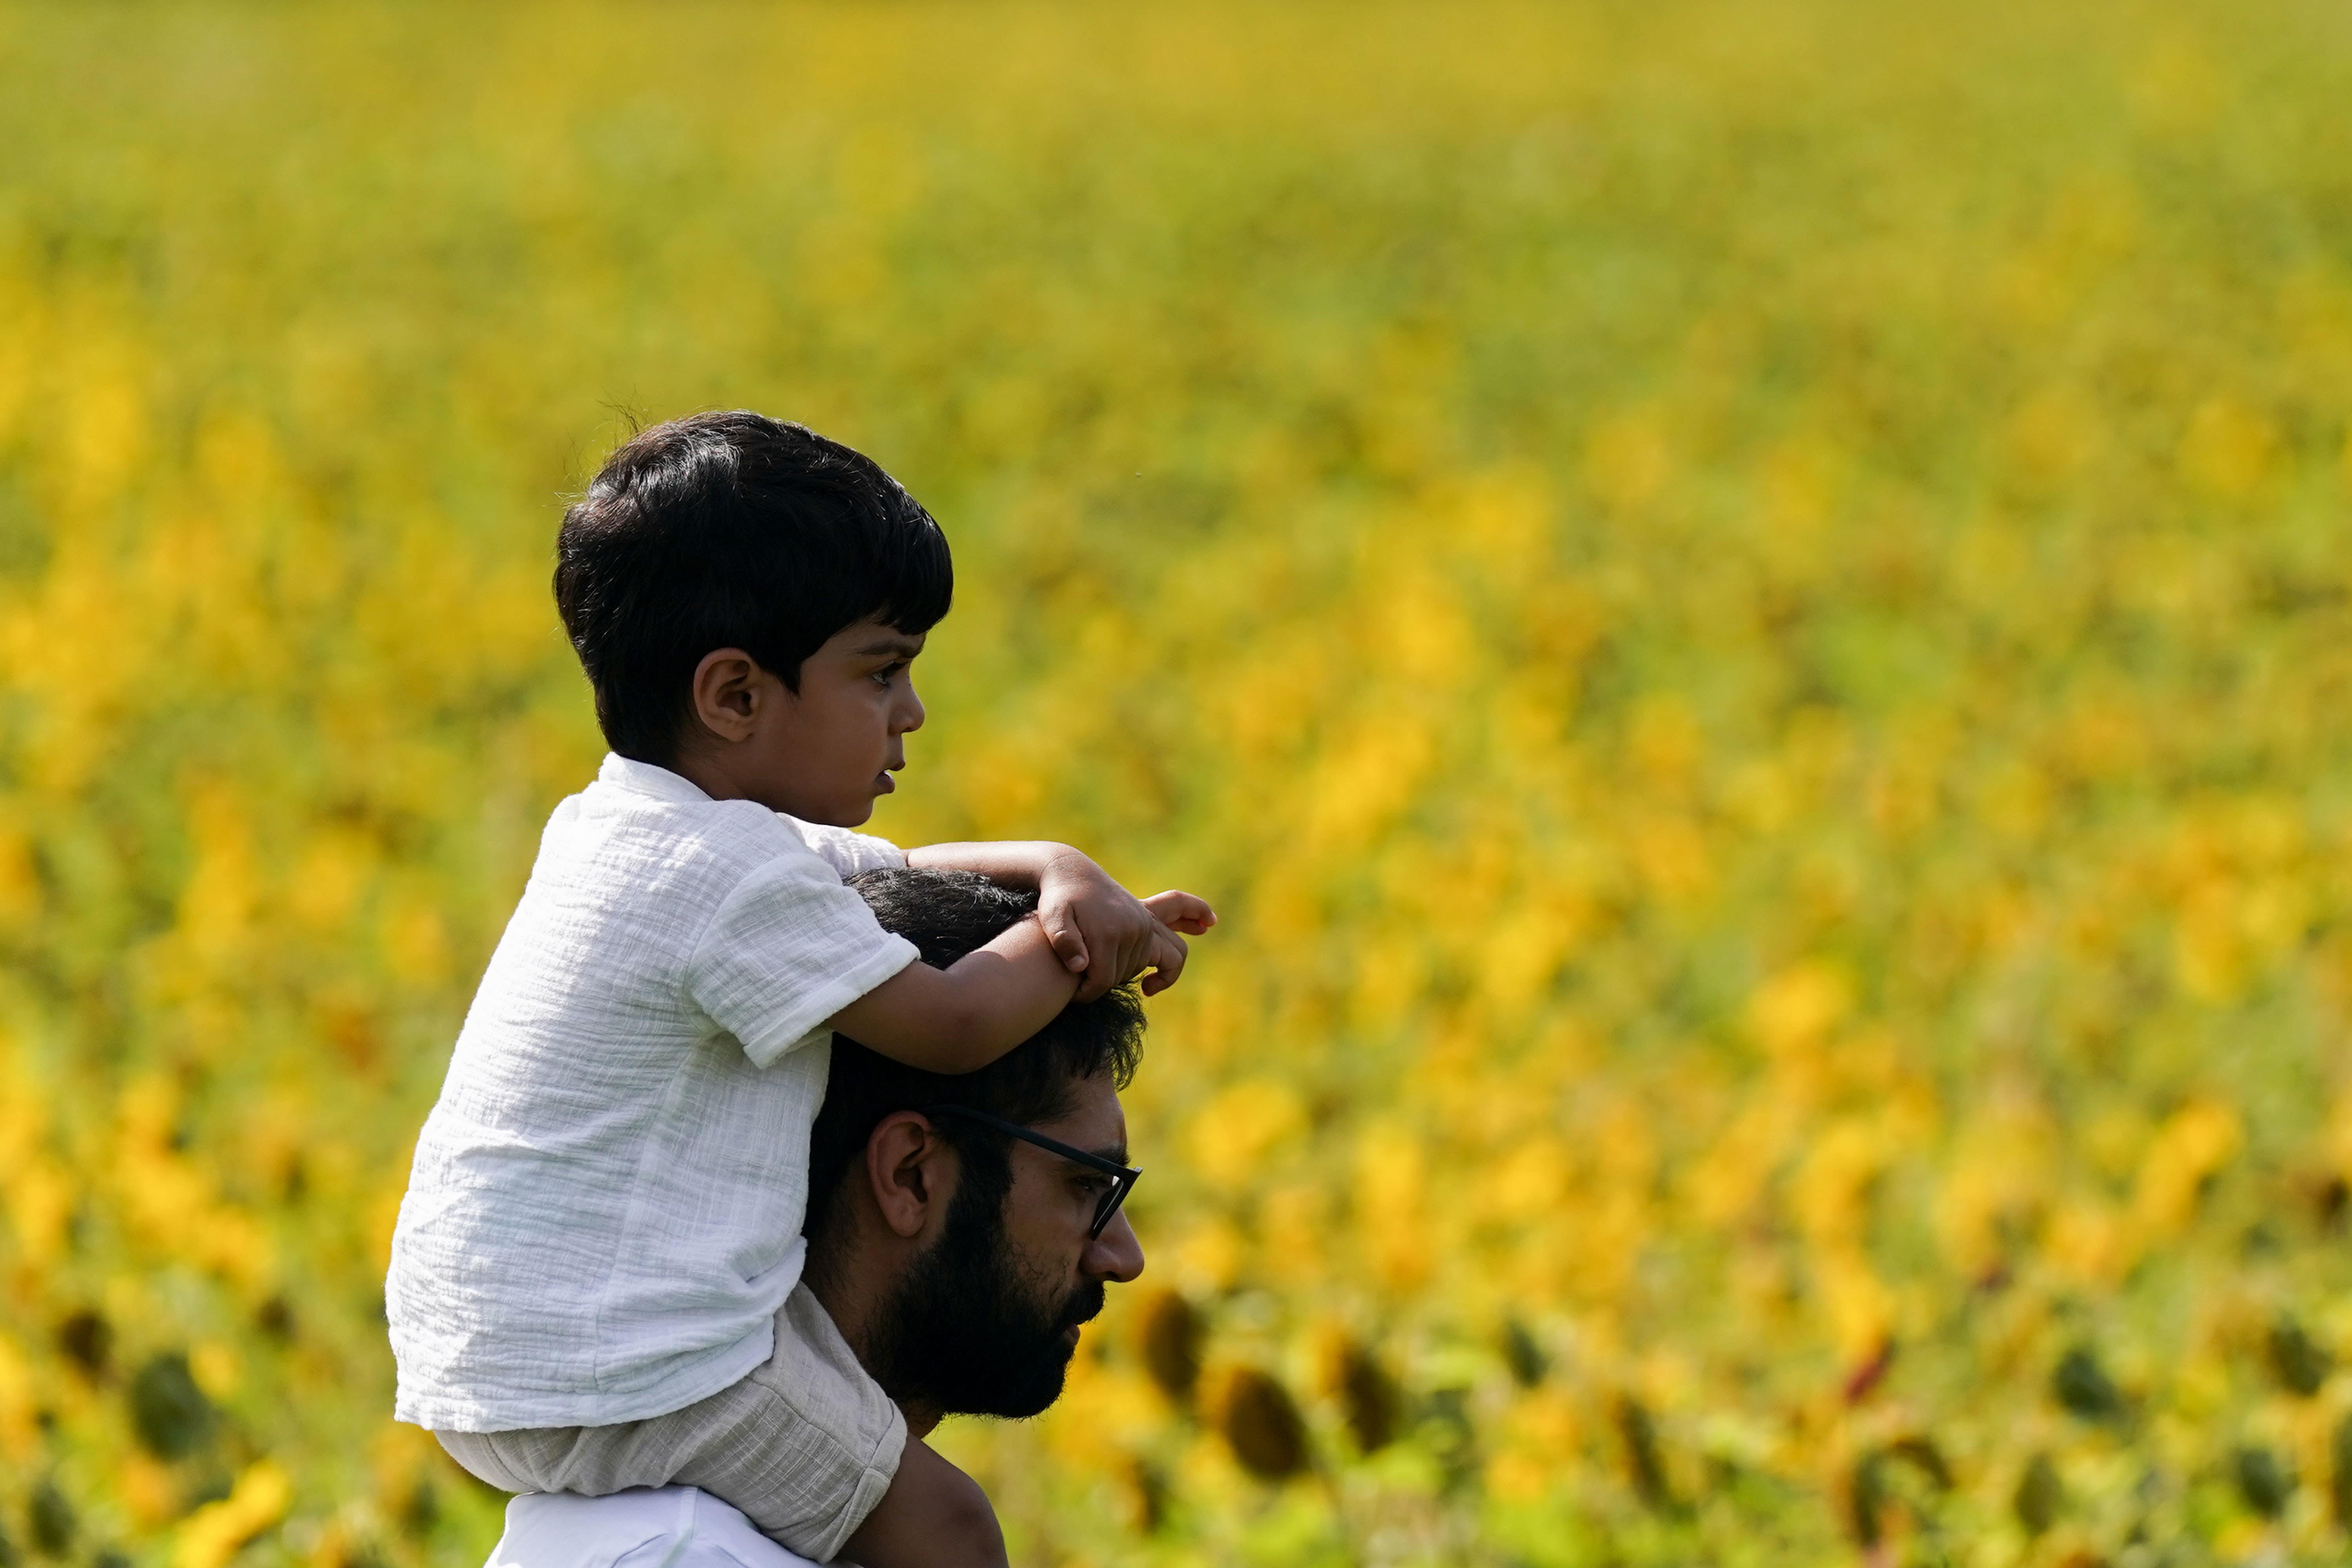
[[646, 779]]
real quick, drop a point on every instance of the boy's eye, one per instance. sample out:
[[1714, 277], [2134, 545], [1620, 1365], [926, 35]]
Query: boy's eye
[[887, 674]]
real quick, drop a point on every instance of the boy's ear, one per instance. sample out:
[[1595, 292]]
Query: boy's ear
[[727, 693]]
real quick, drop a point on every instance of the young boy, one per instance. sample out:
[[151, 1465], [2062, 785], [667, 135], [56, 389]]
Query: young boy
[[596, 1278]]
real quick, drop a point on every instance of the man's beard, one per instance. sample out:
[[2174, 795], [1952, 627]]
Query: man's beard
[[967, 1330]]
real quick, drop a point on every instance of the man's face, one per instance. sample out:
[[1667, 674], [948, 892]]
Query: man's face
[[985, 1322], [833, 745]]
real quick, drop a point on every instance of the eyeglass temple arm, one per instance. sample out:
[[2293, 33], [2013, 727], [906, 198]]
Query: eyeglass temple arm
[[1029, 1135]]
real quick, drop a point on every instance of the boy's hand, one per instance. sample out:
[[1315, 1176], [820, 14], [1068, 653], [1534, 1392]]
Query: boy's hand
[[1102, 931], [1181, 911], [1175, 911]]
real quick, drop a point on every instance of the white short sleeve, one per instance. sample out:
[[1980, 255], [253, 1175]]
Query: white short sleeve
[[847, 852], [789, 949]]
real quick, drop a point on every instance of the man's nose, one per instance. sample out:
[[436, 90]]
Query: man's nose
[[1116, 1255]]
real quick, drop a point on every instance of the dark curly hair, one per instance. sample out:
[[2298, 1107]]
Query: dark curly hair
[[733, 530], [947, 914]]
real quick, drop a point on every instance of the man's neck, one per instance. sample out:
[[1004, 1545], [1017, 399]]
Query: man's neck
[[853, 1297]]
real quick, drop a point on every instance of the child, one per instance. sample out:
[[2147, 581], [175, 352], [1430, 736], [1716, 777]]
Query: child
[[596, 1278]]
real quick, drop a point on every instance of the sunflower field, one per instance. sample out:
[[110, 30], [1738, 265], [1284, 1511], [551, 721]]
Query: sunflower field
[[1745, 607]]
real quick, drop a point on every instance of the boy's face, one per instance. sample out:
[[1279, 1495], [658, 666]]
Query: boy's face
[[824, 752]]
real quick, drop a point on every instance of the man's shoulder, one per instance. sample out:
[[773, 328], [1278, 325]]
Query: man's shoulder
[[659, 1527]]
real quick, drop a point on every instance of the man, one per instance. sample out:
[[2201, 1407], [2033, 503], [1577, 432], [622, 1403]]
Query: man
[[960, 1230]]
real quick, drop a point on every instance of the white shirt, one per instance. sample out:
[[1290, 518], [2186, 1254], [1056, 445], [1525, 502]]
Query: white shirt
[[665, 1527], [604, 1210]]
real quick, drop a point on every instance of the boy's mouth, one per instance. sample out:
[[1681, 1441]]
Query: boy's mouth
[[883, 784]]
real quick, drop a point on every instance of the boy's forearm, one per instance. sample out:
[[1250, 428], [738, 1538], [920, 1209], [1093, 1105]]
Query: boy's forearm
[[961, 1019], [1008, 990], [1013, 862]]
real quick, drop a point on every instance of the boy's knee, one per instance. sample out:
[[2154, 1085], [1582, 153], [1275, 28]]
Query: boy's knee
[[968, 1523], [933, 1516]]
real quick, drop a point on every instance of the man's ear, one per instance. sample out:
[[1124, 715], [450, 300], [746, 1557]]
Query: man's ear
[[910, 1169], [729, 688]]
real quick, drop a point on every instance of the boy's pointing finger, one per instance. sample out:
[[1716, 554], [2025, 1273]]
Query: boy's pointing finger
[[1181, 911]]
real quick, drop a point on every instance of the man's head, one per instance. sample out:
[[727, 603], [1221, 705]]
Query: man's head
[[746, 594], [956, 1257]]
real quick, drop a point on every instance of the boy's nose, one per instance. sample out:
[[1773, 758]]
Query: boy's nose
[[910, 712]]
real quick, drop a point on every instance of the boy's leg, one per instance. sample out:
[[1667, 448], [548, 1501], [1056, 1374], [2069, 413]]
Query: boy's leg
[[806, 1446], [495, 1460], [933, 1513], [589, 1461]]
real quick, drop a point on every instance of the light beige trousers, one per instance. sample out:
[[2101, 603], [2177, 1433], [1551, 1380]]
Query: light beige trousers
[[804, 1446]]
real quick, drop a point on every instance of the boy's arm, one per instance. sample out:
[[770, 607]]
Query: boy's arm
[[1013, 862], [960, 1018], [1098, 927]]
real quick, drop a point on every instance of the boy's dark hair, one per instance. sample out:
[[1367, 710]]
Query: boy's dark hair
[[733, 530], [947, 914]]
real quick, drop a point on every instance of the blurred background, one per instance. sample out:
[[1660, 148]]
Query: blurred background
[[1744, 606]]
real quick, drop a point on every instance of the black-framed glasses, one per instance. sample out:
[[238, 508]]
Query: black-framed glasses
[[1123, 1177]]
